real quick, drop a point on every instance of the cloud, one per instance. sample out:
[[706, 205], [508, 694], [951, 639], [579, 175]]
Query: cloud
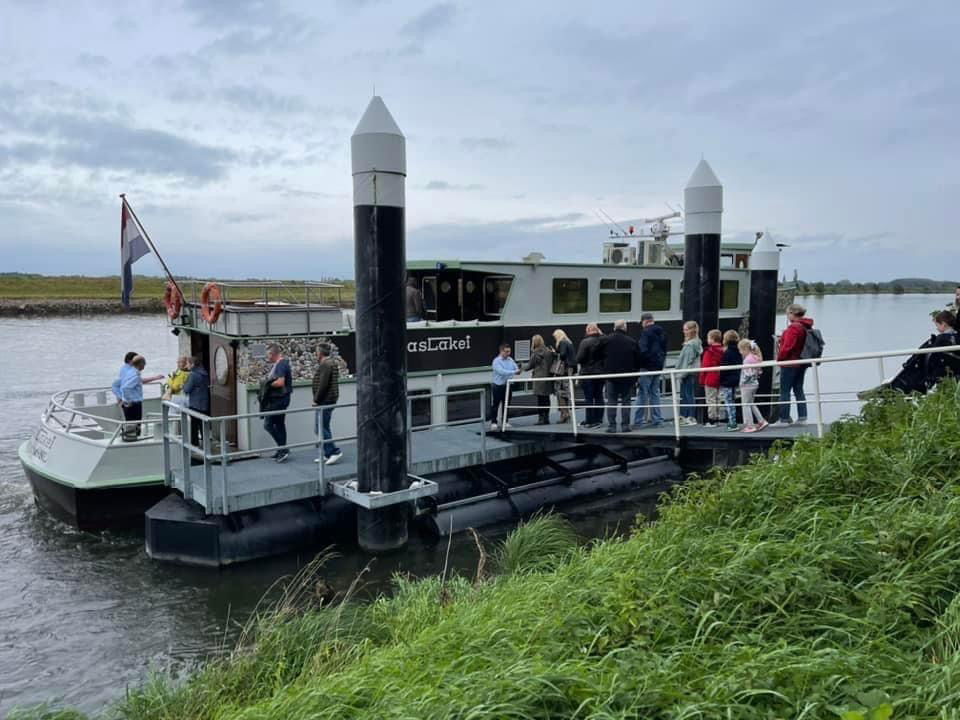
[[429, 22], [263, 99], [89, 61], [444, 185], [290, 192], [486, 143], [237, 218]]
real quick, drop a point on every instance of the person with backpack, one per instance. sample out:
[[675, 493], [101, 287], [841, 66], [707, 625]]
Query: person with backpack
[[540, 365], [799, 341]]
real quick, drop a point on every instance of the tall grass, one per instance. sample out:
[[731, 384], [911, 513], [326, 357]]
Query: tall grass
[[817, 582]]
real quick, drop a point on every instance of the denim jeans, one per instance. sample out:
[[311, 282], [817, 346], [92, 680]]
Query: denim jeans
[[648, 393], [728, 395], [593, 395], [276, 425], [321, 423], [791, 379], [619, 392], [687, 397]]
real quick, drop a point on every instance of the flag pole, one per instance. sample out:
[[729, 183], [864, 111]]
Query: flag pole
[[146, 236]]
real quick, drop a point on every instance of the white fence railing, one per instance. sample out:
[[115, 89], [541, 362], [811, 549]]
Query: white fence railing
[[817, 398]]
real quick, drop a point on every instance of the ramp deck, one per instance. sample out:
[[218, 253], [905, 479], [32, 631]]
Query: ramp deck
[[260, 481]]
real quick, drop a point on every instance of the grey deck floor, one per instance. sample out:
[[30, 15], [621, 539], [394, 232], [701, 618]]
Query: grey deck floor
[[697, 434], [261, 481]]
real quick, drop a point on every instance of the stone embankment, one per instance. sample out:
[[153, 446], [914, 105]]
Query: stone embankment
[[40, 307]]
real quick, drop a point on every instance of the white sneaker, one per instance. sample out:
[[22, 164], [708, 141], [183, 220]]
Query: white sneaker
[[333, 459], [800, 421], [507, 426], [691, 421], [494, 427]]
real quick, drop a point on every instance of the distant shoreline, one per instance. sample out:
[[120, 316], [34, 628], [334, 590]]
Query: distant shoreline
[[39, 307]]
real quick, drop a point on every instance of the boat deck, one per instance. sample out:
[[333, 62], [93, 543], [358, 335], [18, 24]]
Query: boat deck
[[260, 481], [696, 436]]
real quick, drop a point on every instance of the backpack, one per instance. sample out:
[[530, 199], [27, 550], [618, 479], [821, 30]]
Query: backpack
[[812, 345]]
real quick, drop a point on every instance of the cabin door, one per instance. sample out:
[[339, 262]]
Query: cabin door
[[223, 385]]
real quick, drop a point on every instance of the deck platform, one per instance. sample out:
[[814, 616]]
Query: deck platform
[[260, 481], [693, 437]]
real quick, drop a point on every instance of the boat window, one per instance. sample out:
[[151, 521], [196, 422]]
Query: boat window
[[495, 292], [729, 294], [726, 261], [569, 295], [430, 293], [419, 407], [656, 295], [615, 295], [467, 406]]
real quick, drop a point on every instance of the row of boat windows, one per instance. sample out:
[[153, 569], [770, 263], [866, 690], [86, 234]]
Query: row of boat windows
[[616, 295], [459, 407]]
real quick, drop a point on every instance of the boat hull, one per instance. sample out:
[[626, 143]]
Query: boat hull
[[93, 508]]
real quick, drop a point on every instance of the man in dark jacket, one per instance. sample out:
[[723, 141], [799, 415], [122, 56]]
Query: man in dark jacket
[[590, 360], [621, 354], [326, 393], [653, 354], [197, 390]]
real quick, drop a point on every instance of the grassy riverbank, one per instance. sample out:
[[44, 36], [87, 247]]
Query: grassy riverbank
[[819, 581], [26, 286]]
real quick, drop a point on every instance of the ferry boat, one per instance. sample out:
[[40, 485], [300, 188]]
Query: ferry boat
[[83, 471]]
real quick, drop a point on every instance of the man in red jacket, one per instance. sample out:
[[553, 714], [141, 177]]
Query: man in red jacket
[[791, 377]]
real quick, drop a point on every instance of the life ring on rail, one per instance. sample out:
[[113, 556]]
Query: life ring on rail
[[211, 303], [172, 300]]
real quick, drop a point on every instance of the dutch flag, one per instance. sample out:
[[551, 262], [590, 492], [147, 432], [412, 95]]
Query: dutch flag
[[132, 248]]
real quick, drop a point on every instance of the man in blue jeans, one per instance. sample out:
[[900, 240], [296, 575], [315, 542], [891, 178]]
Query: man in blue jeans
[[653, 354], [326, 393], [275, 393]]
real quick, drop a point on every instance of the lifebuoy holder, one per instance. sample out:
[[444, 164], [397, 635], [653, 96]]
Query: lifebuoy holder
[[172, 300], [211, 303]]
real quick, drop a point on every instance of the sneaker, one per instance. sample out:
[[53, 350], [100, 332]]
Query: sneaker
[[494, 427], [762, 425], [732, 428], [333, 459], [282, 456], [692, 421], [781, 422], [801, 421], [276, 454], [507, 426], [611, 428], [710, 424], [750, 429]]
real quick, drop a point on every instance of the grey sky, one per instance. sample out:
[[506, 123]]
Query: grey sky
[[227, 123]]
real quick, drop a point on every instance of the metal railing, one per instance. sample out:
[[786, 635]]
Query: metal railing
[[178, 445], [817, 398], [68, 412]]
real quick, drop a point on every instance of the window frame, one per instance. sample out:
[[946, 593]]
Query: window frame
[[622, 287], [586, 295], [644, 307]]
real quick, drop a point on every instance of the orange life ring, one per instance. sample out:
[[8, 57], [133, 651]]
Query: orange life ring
[[211, 303], [172, 300]]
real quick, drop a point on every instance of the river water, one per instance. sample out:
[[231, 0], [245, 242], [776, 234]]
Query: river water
[[83, 615]]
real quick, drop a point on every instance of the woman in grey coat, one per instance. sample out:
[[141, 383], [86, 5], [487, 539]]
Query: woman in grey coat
[[541, 358]]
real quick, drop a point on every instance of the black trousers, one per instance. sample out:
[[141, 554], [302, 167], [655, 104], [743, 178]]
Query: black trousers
[[498, 396], [132, 412], [543, 408], [619, 391], [593, 395], [276, 425]]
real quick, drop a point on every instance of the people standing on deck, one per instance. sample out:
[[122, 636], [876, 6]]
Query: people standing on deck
[[275, 391], [415, 311], [749, 384], [125, 370], [689, 358], [540, 362], [567, 366], [621, 354], [730, 379], [197, 389], [326, 393], [176, 380], [939, 365], [590, 360], [791, 376], [131, 395], [653, 354], [711, 380], [504, 368]]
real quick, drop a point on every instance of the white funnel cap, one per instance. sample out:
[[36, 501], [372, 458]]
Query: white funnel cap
[[703, 202], [377, 143], [765, 255], [378, 153]]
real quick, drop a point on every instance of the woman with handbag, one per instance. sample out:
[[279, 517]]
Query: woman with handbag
[[564, 365]]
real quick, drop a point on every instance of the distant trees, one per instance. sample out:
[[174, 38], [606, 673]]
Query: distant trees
[[818, 288], [897, 289]]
